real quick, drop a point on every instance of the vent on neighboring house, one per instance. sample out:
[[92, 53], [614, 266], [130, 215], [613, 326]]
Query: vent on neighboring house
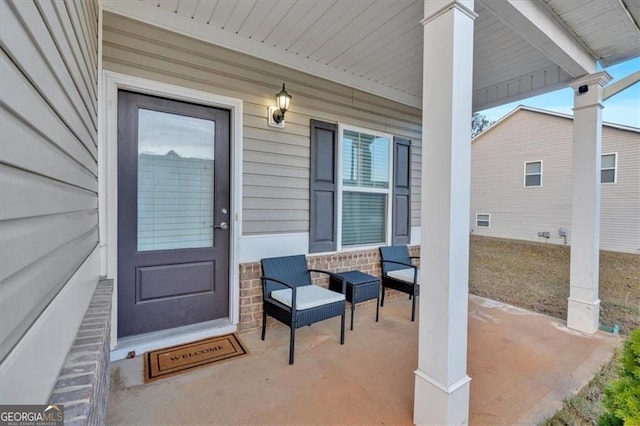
[[483, 220], [544, 234]]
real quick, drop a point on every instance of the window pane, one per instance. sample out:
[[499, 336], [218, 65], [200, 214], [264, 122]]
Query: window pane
[[534, 167], [607, 176], [608, 161], [363, 218], [532, 180], [175, 181], [365, 160]]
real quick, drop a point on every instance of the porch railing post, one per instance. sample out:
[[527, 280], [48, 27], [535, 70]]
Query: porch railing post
[[584, 304]]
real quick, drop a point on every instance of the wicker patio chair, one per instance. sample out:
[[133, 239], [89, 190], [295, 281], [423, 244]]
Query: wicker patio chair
[[287, 279], [399, 273]]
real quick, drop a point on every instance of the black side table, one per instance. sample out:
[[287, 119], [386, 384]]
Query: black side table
[[360, 287]]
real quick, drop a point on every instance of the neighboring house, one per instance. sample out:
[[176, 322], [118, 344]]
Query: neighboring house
[[104, 103], [521, 180]]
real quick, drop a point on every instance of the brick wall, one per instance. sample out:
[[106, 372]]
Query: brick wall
[[83, 383], [367, 261]]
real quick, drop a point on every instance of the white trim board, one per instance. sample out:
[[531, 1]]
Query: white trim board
[[173, 337], [255, 247], [108, 175]]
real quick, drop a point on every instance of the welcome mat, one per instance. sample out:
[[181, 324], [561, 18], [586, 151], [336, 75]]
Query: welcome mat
[[177, 359]]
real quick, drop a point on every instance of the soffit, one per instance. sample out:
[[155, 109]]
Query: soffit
[[376, 45], [607, 28]]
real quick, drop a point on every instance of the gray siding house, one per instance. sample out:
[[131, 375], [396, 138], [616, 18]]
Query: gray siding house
[[521, 181], [142, 176]]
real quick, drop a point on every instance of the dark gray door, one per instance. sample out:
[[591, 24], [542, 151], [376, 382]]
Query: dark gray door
[[173, 213]]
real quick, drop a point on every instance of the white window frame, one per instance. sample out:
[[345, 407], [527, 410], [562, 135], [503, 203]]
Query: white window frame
[[488, 220], [615, 168], [524, 181], [340, 187]]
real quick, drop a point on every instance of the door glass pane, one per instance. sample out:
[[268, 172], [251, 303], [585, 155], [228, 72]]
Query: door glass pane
[[175, 181]]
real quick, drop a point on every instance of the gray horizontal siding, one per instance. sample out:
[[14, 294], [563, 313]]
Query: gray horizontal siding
[[497, 183], [24, 240], [620, 206], [30, 49], [276, 162], [48, 151], [498, 158], [27, 292], [71, 51], [24, 194], [26, 104], [52, 160]]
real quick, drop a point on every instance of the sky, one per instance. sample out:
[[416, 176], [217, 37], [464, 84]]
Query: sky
[[622, 108]]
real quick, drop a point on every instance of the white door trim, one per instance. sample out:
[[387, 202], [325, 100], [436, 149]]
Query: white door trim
[[108, 178]]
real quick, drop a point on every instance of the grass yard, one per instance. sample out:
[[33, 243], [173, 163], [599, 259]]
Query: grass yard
[[535, 276]]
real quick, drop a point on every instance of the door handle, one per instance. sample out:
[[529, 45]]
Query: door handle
[[223, 226]]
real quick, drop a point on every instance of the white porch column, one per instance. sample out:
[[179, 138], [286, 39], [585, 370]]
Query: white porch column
[[441, 384], [584, 303]]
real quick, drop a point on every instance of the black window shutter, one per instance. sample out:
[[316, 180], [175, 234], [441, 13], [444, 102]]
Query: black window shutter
[[323, 186], [401, 220]]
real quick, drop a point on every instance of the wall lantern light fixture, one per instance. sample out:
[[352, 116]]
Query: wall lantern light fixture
[[276, 113]]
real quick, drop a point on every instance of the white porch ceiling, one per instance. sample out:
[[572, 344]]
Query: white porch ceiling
[[376, 45]]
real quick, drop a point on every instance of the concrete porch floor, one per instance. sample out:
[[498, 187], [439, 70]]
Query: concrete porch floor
[[522, 366]]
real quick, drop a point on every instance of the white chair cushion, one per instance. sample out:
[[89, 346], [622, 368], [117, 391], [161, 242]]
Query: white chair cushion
[[403, 275], [308, 296]]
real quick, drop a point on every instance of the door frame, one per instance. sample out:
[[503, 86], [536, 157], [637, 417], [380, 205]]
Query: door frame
[[108, 199]]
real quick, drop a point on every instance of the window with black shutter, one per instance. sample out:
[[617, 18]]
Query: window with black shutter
[[363, 199]]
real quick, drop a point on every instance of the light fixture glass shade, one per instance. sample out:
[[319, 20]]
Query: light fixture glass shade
[[283, 99]]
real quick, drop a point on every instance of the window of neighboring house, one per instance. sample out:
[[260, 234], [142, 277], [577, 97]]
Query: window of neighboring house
[[533, 173], [608, 168], [483, 220], [365, 190]]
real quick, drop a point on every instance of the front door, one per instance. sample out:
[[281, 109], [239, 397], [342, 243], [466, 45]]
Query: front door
[[173, 213]]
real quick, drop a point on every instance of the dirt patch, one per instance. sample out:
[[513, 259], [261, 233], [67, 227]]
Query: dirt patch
[[535, 276]]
